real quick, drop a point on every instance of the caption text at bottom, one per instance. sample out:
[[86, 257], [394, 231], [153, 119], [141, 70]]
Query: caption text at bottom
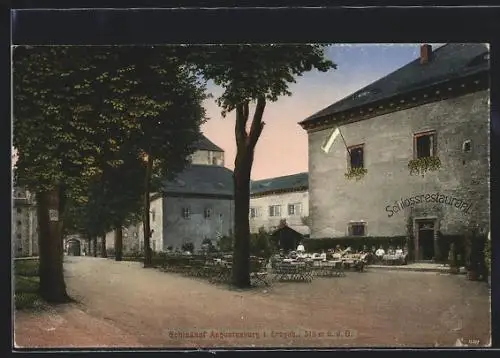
[[273, 334]]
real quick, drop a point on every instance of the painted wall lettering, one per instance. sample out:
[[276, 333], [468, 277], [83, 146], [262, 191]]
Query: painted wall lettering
[[398, 206]]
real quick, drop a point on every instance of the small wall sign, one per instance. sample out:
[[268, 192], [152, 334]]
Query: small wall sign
[[53, 215]]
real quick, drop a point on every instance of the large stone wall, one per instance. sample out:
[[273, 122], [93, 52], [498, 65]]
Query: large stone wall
[[24, 231], [388, 147], [262, 203], [133, 235], [178, 230]]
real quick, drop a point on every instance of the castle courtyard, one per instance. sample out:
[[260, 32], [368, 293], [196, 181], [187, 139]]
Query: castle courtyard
[[120, 304]]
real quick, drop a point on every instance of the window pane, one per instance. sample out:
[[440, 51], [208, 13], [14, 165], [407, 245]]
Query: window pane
[[424, 145], [357, 158], [291, 210], [357, 229]]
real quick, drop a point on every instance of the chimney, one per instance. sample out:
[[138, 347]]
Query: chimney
[[425, 54]]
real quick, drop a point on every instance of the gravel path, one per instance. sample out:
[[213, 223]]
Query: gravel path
[[122, 304]]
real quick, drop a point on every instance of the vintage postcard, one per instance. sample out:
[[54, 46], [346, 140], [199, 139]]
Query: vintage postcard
[[222, 196]]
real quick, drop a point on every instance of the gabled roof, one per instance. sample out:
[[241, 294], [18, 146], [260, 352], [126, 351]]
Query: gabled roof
[[287, 230], [199, 179], [205, 144], [448, 62], [284, 183]]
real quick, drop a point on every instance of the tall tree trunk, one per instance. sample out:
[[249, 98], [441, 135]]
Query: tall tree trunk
[[245, 146], [94, 246], [104, 253], [241, 252], [52, 285], [118, 242], [145, 216]]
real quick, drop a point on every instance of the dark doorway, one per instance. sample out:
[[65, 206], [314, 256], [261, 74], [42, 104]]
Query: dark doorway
[[74, 248], [426, 240]]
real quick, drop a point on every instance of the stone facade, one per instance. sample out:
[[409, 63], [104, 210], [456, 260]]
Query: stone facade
[[388, 142], [296, 218], [189, 214], [24, 224], [179, 229]]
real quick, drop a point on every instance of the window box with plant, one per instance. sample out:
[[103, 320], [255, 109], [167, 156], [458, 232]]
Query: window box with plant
[[356, 169], [425, 158]]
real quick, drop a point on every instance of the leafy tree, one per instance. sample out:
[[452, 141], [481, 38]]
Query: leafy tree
[[252, 74], [56, 143], [112, 202], [167, 101]]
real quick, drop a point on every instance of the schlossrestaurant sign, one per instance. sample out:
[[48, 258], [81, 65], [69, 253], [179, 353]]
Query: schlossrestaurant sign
[[398, 206]]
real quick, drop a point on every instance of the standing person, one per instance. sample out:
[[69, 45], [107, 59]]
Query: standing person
[[300, 248], [380, 253]]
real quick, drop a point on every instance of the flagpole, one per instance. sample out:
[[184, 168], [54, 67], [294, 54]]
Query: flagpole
[[346, 147]]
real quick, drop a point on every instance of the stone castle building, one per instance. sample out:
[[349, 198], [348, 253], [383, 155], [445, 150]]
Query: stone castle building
[[197, 205], [430, 116], [282, 198], [24, 229]]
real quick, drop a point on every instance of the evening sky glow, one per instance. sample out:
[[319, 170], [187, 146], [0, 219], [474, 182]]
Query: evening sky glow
[[282, 148]]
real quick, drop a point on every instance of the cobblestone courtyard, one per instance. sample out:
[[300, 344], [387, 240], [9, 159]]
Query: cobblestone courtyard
[[120, 304]]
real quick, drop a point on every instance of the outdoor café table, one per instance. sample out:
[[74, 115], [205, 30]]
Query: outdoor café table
[[330, 268], [293, 270], [390, 259], [222, 271], [348, 262], [353, 262]]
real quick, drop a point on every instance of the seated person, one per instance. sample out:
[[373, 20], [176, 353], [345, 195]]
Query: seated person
[[293, 255], [359, 265], [380, 253], [301, 248], [390, 251], [323, 255], [399, 251]]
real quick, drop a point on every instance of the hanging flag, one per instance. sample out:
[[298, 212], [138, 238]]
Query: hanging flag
[[329, 142]]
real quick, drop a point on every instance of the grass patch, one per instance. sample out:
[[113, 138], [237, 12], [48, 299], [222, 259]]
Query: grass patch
[[27, 300], [26, 284], [26, 268], [131, 258]]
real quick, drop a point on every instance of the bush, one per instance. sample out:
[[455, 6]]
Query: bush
[[135, 254], [225, 244], [260, 244], [25, 300], [26, 267], [26, 284], [188, 246], [208, 244]]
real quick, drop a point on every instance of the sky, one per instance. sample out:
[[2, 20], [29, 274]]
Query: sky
[[282, 147]]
